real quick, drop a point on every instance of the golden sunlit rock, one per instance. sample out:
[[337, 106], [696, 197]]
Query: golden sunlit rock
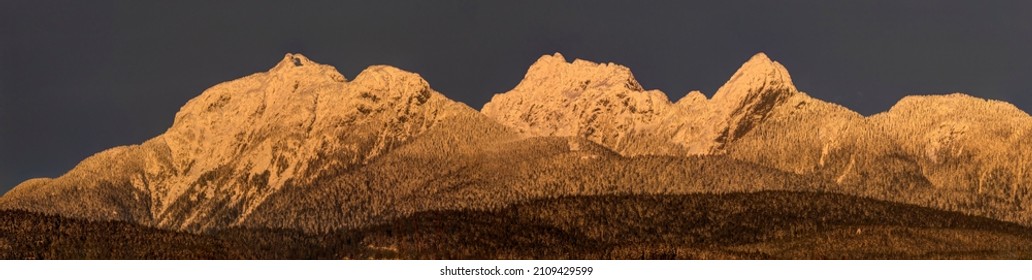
[[301, 147]]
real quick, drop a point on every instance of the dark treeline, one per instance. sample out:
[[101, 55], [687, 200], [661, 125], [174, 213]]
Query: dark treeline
[[763, 225]]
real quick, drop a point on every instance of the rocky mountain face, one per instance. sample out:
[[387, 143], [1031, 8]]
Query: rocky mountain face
[[757, 116], [301, 147], [605, 104], [763, 118], [758, 88], [240, 141], [600, 102]]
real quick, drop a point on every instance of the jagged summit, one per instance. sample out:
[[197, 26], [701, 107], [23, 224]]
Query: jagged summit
[[299, 67], [599, 101], [555, 70], [757, 78], [293, 60], [752, 93], [604, 103]]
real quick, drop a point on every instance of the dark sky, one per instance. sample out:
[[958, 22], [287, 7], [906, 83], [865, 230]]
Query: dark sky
[[78, 77]]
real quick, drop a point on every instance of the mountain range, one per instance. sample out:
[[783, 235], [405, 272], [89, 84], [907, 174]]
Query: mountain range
[[301, 147]]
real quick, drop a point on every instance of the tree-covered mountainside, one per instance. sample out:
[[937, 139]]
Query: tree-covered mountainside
[[763, 225]]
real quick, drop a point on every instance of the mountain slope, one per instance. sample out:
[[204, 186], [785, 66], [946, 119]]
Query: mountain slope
[[410, 180], [975, 151], [759, 116], [763, 225], [240, 141]]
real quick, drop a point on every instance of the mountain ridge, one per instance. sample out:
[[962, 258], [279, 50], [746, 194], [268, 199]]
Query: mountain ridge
[[241, 140], [302, 123]]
